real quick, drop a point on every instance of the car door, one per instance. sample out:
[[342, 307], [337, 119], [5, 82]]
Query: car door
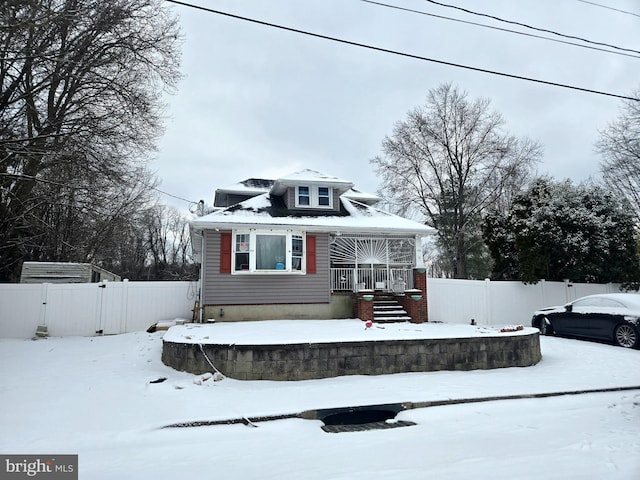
[[605, 317], [577, 319]]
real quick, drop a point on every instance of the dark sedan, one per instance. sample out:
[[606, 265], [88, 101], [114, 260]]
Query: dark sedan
[[614, 317]]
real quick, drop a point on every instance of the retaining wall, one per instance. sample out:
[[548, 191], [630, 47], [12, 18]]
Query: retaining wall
[[323, 360]]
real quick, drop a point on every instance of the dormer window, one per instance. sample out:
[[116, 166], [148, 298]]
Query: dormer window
[[314, 197], [303, 198], [324, 200]]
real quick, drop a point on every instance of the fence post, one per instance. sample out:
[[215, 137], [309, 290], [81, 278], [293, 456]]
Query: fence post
[[567, 286], [44, 296], [487, 301], [124, 304]]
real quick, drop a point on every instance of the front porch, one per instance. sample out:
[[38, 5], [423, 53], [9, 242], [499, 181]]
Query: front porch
[[384, 273], [366, 262], [377, 277]]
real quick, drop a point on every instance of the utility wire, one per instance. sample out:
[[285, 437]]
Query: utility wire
[[410, 10], [609, 8], [402, 54], [530, 27], [74, 187], [172, 196]]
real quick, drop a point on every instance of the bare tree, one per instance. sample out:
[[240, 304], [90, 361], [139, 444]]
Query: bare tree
[[168, 244], [449, 162], [619, 145], [80, 109]]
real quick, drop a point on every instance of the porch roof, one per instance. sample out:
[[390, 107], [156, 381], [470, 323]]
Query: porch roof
[[264, 210]]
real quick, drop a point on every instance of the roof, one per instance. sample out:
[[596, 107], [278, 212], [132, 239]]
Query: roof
[[309, 177], [266, 210], [362, 197], [258, 186], [250, 185]]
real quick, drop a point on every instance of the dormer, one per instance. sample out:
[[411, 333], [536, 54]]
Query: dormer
[[309, 190]]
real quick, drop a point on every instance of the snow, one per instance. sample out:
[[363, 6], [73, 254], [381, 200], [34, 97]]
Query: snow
[[269, 332], [312, 176], [93, 397]]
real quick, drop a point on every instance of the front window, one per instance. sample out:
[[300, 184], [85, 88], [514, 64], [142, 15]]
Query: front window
[[270, 252], [297, 252], [242, 252], [266, 251]]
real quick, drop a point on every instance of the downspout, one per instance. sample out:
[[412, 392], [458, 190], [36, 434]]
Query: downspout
[[200, 287]]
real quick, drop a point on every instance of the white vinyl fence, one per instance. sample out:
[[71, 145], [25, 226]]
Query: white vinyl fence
[[501, 303], [92, 308], [121, 307]]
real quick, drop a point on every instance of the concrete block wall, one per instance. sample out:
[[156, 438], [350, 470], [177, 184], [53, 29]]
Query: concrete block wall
[[323, 360]]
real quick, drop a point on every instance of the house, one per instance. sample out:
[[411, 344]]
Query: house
[[306, 245], [64, 272]]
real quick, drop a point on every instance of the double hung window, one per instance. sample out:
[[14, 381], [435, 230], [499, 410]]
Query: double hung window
[[304, 198]]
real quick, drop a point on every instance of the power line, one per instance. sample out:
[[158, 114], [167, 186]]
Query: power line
[[410, 10], [171, 195], [403, 54], [74, 187], [609, 8], [530, 27]]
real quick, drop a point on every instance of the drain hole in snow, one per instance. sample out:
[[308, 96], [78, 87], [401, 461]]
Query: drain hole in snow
[[358, 419]]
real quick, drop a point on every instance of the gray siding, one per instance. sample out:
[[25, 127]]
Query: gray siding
[[289, 198], [228, 289]]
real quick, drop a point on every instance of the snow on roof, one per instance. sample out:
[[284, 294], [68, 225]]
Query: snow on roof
[[250, 185], [310, 177], [265, 210], [363, 197]]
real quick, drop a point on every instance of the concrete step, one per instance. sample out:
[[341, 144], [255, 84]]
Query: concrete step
[[388, 311], [396, 319], [390, 306]]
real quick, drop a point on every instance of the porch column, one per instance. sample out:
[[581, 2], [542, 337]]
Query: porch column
[[420, 307], [418, 252], [363, 308]]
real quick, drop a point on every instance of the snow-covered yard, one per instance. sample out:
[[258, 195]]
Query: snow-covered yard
[[92, 397]]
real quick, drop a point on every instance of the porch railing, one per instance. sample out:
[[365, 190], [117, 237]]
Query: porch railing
[[352, 279]]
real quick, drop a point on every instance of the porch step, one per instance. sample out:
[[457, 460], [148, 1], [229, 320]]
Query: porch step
[[386, 311]]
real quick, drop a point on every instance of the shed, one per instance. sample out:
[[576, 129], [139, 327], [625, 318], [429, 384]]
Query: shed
[[65, 272]]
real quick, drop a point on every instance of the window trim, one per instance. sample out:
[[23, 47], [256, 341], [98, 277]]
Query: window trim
[[289, 254], [314, 197]]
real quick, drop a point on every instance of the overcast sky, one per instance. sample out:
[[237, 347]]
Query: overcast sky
[[257, 101]]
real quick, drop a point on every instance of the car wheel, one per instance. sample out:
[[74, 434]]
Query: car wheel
[[625, 336], [545, 327]]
